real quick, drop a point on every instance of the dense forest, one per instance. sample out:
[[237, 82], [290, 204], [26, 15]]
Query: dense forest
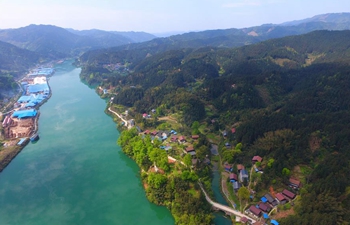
[[174, 185], [285, 97]]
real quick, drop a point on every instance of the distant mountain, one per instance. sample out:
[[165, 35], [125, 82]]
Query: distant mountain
[[338, 18], [56, 42], [216, 38], [114, 36], [15, 59], [135, 36]]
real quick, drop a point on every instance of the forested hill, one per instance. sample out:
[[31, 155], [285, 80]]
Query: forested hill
[[14, 62], [287, 99], [218, 38], [56, 42], [13, 58]]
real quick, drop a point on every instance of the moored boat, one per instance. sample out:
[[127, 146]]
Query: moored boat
[[34, 137]]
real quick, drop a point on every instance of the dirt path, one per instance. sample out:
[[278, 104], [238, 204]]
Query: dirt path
[[224, 177], [167, 118]]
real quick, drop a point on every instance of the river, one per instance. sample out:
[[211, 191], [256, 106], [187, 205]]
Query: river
[[75, 174]]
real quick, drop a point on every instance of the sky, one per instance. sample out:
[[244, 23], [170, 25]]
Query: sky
[[161, 16]]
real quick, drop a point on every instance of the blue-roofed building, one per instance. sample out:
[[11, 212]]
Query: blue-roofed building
[[274, 222], [24, 98], [265, 216], [24, 113], [36, 88], [264, 200]]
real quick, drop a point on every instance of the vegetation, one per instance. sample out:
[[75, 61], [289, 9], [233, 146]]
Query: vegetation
[[285, 99], [174, 186]]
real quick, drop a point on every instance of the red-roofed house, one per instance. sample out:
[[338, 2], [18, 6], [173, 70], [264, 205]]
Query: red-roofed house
[[173, 138], [233, 177], [280, 198], [233, 130], [244, 219], [255, 211], [256, 159], [264, 207], [189, 149], [240, 167], [294, 183], [195, 137], [182, 139], [146, 132], [288, 194]]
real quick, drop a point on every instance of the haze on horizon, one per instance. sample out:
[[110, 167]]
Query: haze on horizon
[[160, 16]]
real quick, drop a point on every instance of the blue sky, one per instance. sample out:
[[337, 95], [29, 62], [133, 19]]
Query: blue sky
[[157, 16]]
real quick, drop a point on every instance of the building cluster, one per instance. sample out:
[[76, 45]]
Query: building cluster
[[21, 122], [272, 200]]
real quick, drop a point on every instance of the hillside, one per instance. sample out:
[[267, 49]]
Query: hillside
[[56, 42], [215, 38], [13, 58], [114, 38], [284, 97]]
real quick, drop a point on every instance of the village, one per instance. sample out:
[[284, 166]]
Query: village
[[260, 208]]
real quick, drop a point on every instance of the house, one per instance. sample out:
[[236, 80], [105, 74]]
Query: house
[[271, 200], [236, 186], [233, 177], [255, 211], [256, 159], [288, 194], [244, 219], [190, 150], [182, 139], [154, 133], [146, 132], [240, 167], [145, 115], [227, 145], [233, 130], [164, 136], [281, 199], [264, 207], [224, 134], [174, 138], [294, 183], [243, 175], [195, 137], [228, 167]]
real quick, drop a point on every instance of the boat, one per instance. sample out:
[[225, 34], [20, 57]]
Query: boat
[[34, 137]]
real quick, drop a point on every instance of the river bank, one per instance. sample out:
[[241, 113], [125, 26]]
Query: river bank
[[18, 128], [76, 173]]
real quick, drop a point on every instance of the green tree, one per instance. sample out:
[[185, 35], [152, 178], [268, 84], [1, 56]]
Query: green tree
[[187, 159], [243, 195], [195, 127], [286, 172]]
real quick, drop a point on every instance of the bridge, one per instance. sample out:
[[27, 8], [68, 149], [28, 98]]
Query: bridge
[[224, 208]]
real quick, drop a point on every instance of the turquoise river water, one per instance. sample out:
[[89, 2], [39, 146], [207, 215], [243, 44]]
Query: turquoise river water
[[76, 173]]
